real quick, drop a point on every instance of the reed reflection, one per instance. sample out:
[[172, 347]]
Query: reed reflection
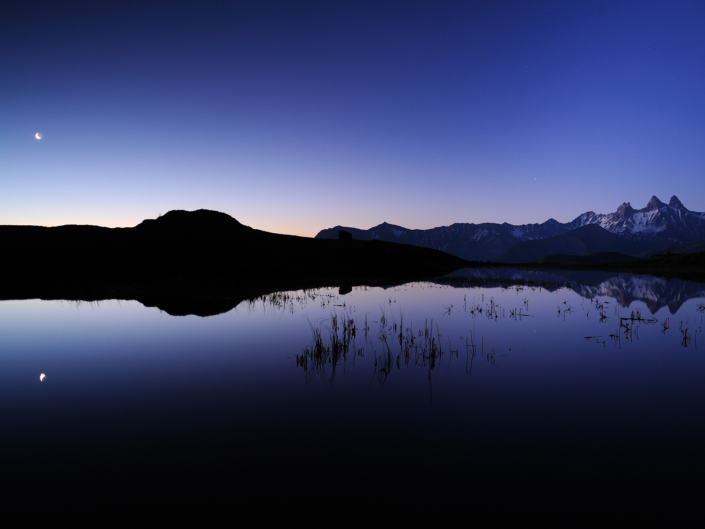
[[387, 341], [393, 345]]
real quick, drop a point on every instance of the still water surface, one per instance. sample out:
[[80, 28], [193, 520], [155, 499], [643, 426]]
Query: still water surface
[[593, 362]]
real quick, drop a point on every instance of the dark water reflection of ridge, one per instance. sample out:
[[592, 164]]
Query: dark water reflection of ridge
[[654, 292]]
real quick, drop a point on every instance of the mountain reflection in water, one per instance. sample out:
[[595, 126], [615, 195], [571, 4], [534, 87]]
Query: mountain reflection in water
[[654, 292]]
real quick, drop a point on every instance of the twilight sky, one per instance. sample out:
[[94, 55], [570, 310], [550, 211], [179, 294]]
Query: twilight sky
[[298, 116]]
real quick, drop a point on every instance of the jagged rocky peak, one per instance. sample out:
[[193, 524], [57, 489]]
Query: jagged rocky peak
[[654, 203], [675, 203], [625, 210]]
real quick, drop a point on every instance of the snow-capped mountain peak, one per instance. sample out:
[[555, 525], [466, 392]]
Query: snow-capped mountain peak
[[675, 203], [625, 210], [655, 203]]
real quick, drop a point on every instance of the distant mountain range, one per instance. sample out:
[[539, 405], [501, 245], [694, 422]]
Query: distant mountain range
[[627, 231]]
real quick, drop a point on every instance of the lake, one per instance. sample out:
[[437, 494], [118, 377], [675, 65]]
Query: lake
[[496, 385]]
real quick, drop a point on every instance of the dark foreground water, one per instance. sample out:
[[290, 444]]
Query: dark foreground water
[[577, 394]]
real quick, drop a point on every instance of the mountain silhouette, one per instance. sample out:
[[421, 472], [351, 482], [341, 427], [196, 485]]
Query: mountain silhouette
[[478, 242], [199, 254]]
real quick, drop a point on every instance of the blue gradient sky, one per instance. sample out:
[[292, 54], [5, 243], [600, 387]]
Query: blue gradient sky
[[294, 117]]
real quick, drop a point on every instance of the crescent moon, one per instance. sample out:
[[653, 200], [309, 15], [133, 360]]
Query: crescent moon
[[42, 377], [38, 135]]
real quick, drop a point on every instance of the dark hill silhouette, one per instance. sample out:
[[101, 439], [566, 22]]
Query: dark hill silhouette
[[591, 258], [698, 246], [580, 241], [200, 254], [689, 266]]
